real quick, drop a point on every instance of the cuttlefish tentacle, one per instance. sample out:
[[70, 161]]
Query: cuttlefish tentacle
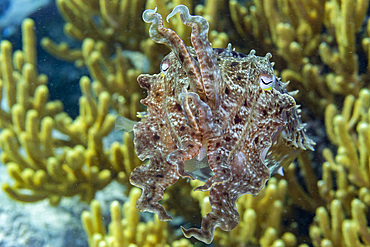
[[209, 68], [159, 34]]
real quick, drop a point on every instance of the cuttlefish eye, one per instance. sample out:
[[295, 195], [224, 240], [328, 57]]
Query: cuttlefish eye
[[267, 82], [165, 64]]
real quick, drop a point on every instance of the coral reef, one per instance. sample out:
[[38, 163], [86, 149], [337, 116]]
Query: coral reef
[[343, 220], [261, 217], [223, 106], [48, 154], [99, 25], [322, 64], [322, 47], [126, 230], [120, 23]]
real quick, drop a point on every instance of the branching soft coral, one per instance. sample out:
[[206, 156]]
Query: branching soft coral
[[127, 230], [48, 154], [261, 217], [346, 177]]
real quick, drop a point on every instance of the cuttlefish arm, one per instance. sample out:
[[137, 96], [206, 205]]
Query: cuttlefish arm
[[159, 34], [209, 68]]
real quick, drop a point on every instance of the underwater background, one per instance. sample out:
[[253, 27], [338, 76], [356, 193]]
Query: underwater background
[[68, 68]]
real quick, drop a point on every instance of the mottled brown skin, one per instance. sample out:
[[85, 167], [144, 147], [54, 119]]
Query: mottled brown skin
[[165, 131], [212, 98]]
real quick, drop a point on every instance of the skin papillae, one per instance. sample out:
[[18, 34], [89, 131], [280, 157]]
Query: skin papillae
[[212, 99]]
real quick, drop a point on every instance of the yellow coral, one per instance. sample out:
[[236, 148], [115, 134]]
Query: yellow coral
[[350, 133], [48, 154], [346, 177], [127, 231], [261, 217], [293, 29], [333, 228], [119, 22], [307, 197], [74, 161], [113, 76], [103, 41]]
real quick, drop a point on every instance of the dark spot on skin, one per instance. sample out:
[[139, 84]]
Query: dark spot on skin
[[181, 57], [218, 59], [206, 60], [156, 138], [173, 92], [264, 112], [256, 140], [217, 144], [188, 87], [218, 158], [227, 91], [159, 176], [156, 94], [190, 73], [245, 103], [191, 145], [239, 77], [237, 119], [227, 139], [234, 64], [182, 128], [178, 107]]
